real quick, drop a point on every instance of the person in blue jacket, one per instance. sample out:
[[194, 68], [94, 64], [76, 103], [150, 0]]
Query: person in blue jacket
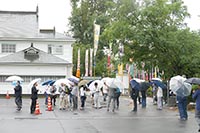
[[196, 97]]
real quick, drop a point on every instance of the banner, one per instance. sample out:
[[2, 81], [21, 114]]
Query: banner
[[86, 63], [120, 69], [96, 37], [109, 56], [155, 72], [91, 55], [78, 72]]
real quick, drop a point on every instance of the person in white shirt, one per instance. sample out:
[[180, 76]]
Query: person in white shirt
[[96, 96], [105, 92], [159, 98], [83, 96]]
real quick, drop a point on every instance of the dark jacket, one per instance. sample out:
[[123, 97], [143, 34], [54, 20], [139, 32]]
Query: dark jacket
[[134, 93], [18, 91], [196, 97], [34, 93]]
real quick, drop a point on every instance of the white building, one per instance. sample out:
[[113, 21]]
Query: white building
[[30, 52]]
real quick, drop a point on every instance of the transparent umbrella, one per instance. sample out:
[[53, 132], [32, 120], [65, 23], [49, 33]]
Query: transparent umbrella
[[14, 78], [114, 83], [179, 87], [92, 86], [37, 80]]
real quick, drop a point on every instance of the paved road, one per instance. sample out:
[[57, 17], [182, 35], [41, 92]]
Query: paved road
[[90, 120]]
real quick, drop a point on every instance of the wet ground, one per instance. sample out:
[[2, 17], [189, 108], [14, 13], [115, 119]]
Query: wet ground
[[148, 120]]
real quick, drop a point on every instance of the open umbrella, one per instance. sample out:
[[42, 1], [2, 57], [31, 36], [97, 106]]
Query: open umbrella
[[114, 83], [83, 82], [14, 78], [138, 80], [64, 81], [179, 87], [30, 85], [105, 79], [159, 83], [157, 79], [91, 86], [75, 80], [144, 86], [134, 84], [52, 82], [193, 81], [88, 84], [47, 82]]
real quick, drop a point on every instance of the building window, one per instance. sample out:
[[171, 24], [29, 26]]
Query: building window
[[8, 48], [55, 49]]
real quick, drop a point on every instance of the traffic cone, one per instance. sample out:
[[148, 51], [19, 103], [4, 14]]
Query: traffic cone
[[37, 109], [7, 95], [49, 106]]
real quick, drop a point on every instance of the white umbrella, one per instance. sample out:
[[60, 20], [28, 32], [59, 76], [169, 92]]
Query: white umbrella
[[179, 87], [105, 79], [114, 83], [138, 80], [64, 81], [157, 79], [99, 82], [30, 85], [14, 78]]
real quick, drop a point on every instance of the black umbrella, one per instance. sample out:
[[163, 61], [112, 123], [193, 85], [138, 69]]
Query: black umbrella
[[134, 84], [159, 83], [144, 86], [193, 81]]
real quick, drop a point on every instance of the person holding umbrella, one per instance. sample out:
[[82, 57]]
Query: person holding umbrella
[[134, 93], [96, 89], [18, 95], [159, 98], [196, 97], [143, 89], [83, 97], [111, 98], [34, 97]]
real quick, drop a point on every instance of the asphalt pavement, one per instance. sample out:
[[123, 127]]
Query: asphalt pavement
[[91, 120]]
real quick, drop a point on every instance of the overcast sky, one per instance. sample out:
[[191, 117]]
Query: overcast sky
[[56, 12]]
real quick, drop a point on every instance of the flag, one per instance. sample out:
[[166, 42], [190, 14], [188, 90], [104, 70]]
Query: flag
[[78, 72], [109, 56], [96, 37], [86, 63], [155, 72], [120, 69], [91, 55]]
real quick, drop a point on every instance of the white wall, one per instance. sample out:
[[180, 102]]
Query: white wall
[[35, 70], [42, 45]]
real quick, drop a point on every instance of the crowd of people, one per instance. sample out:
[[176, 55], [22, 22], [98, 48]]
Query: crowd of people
[[68, 98]]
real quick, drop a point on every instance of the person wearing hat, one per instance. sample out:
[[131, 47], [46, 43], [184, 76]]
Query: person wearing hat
[[18, 95]]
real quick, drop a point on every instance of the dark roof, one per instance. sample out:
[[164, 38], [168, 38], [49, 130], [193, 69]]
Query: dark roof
[[24, 24], [32, 55]]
